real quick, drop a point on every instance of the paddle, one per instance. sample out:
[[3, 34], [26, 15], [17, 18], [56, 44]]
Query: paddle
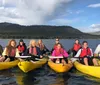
[[55, 57], [22, 56]]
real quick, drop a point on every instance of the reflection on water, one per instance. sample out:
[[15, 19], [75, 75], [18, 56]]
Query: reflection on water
[[7, 78], [42, 76], [45, 76]]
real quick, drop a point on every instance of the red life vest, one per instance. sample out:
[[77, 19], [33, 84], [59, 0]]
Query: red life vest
[[85, 52], [13, 53], [21, 48], [33, 50], [76, 47]]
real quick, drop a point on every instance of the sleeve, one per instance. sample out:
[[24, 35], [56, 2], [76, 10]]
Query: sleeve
[[4, 52], [25, 47], [91, 52], [65, 54], [53, 53], [78, 53], [39, 51], [97, 50], [17, 52]]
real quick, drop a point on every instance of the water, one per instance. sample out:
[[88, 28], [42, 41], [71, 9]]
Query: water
[[44, 75]]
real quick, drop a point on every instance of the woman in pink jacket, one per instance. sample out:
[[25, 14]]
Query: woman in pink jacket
[[59, 51]]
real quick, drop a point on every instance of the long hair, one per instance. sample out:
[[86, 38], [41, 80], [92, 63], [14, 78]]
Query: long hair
[[30, 43], [42, 45], [9, 47]]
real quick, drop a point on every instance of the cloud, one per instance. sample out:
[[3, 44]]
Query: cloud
[[92, 28], [30, 12], [63, 21], [94, 5], [95, 26]]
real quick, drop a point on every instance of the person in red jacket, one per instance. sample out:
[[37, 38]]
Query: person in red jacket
[[76, 47], [55, 45], [22, 47], [85, 55]]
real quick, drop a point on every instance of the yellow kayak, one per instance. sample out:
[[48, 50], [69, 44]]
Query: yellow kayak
[[27, 66], [90, 70], [59, 67], [7, 65]]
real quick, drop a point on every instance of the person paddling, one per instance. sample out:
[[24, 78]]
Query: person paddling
[[10, 51], [76, 47], [21, 47], [85, 55], [60, 51]]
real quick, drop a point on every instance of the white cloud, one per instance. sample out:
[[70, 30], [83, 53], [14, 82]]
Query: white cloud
[[95, 26], [91, 28], [63, 21], [29, 12], [94, 5]]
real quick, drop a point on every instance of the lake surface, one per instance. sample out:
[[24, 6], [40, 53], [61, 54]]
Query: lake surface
[[44, 75]]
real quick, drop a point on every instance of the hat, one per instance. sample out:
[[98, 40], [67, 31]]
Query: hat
[[21, 40]]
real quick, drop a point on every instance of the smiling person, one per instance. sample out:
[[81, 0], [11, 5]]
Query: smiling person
[[60, 51], [22, 47], [10, 51], [42, 47], [34, 51], [85, 55]]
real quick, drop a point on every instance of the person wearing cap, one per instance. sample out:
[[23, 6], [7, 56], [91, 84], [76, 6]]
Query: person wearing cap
[[22, 47]]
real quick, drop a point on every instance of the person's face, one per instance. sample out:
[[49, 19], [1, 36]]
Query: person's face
[[40, 41], [85, 45], [58, 46], [21, 43], [76, 41], [57, 41], [13, 44], [33, 43]]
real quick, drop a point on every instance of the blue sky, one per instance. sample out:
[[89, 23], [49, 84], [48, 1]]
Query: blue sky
[[80, 14]]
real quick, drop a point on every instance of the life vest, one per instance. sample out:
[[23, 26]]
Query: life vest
[[12, 53], [55, 46], [21, 48], [76, 47], [85, 52], [33, 50], [59, 52]]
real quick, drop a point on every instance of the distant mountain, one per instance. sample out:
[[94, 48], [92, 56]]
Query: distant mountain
[[95, 33], [9, 30]]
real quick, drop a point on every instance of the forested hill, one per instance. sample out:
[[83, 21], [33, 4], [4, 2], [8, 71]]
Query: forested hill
[[8, 30]]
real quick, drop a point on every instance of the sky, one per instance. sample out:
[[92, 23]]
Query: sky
[[80, 14]]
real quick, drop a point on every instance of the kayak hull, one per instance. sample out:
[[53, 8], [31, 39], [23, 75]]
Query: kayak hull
[[59, 67], [27, 66], [90, 70], [7, 65]]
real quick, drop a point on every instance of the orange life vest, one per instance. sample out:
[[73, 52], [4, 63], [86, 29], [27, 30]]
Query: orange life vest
[[85, 52]]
